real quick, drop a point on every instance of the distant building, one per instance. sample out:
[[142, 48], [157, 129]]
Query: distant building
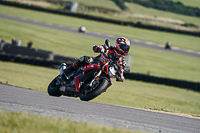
[[71, 6]]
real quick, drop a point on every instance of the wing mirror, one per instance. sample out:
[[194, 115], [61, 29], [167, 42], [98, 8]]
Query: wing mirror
[[107, 44]]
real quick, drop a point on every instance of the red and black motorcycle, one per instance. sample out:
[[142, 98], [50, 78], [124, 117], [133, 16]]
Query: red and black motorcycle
[[87, 82]]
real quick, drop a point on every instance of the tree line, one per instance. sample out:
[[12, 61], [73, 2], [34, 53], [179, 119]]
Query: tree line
[[165, 5]]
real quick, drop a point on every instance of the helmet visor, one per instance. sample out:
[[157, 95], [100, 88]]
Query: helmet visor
[[125, 48]]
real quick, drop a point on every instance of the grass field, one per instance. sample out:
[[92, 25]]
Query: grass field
[[138, 9], [193, 3], [134, 14], [100, 3], [112, 5], [12, 122], [183, 41], [145, 60]]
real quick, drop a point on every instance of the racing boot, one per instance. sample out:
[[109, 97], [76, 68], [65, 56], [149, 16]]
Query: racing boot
[[65, 71], [68, 70], [84, 60]]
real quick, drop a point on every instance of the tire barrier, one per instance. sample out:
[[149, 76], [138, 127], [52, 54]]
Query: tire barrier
[[90, 17], [32, 61], [132, 76], [23, 51]]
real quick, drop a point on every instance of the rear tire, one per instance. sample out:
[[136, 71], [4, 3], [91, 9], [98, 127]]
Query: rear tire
[[101, 88], [53, 89]]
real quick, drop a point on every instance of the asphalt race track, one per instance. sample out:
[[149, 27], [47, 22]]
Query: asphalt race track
[[40, 103], [105, 36]]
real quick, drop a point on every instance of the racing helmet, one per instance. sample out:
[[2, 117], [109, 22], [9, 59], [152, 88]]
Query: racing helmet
[[122, 45]]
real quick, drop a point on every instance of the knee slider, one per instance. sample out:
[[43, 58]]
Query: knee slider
[[81, 59], [84, 60]]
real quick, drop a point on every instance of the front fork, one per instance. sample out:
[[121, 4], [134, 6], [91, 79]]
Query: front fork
[[95, 79]]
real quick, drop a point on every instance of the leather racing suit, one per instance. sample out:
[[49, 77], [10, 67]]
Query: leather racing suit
[[111, 52]]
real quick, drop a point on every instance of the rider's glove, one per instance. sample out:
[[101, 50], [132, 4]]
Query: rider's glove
[[123, 63], [120, 78], [127, 70], [101, 49]]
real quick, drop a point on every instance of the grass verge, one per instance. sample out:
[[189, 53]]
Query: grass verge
[[12, 122]]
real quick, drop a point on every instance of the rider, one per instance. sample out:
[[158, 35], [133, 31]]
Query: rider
[[121, 48]]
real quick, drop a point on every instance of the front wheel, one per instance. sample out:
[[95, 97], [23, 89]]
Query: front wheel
[[54, 87], [87, 94]]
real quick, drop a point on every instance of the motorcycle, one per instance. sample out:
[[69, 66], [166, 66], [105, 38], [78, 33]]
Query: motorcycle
[[86, 82]]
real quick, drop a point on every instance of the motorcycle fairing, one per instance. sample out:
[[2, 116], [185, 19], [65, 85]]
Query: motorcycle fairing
[[106, 69], [89, 75], [89, 67], [77, 83]]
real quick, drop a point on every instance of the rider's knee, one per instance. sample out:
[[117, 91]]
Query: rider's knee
[[88, 59], [84, 60]]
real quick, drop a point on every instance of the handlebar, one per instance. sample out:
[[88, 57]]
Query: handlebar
[[105, 55], [114, 62]]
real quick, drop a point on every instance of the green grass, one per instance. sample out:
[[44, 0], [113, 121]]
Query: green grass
[[164, 64], [12, 122], [151, 96], [57, 41], [157, 63], [129, 93], [183, 41], [194, 3], [111, 5], [138, 9], [153, 63], [30, 77], [100, 3]]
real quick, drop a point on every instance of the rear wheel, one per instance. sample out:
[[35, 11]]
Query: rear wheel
[[54, 87], [88, 93]]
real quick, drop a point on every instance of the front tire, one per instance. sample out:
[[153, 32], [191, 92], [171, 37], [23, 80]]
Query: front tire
[[97, 91], [53, 89]]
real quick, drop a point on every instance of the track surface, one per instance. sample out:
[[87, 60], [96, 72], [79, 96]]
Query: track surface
[[105, 36], [40, 103]]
